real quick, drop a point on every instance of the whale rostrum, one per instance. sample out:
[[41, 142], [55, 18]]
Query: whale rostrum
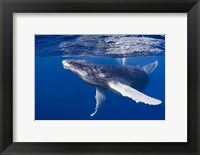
[[127, 80]]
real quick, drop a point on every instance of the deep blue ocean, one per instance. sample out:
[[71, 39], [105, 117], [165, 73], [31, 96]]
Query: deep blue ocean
[[62, 95]]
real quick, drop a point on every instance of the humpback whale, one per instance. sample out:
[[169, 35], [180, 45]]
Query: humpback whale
[[128, 80]]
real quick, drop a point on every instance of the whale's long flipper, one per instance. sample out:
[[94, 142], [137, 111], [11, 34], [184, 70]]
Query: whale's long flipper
[[133, 93], [100, 97]]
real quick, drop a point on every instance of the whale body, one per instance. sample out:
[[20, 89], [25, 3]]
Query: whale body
[[128, 81]]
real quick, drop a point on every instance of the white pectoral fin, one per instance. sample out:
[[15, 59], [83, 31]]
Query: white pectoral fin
[[100, 97], [122, 61], [133, 93]]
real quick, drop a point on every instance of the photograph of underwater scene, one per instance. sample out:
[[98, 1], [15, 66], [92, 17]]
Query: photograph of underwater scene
[[100, 77]]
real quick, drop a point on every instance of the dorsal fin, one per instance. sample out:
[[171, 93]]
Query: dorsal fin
[[150, 67]]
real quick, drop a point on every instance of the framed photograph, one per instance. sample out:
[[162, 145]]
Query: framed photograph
[[104, 77]]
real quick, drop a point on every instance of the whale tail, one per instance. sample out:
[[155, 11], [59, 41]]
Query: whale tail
[[150, 67]]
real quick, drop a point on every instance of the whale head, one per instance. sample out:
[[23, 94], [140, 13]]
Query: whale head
[[79, 67], [75, 65]]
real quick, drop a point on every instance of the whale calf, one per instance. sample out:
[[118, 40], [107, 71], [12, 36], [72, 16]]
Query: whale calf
[[128, 81]]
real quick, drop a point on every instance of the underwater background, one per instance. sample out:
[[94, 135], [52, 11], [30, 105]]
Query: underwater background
[[62, 95]]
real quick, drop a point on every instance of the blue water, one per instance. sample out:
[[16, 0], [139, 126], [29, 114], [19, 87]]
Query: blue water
[[62, 95]]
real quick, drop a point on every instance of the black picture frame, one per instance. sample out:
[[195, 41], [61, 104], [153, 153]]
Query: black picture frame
[[8, 7]]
